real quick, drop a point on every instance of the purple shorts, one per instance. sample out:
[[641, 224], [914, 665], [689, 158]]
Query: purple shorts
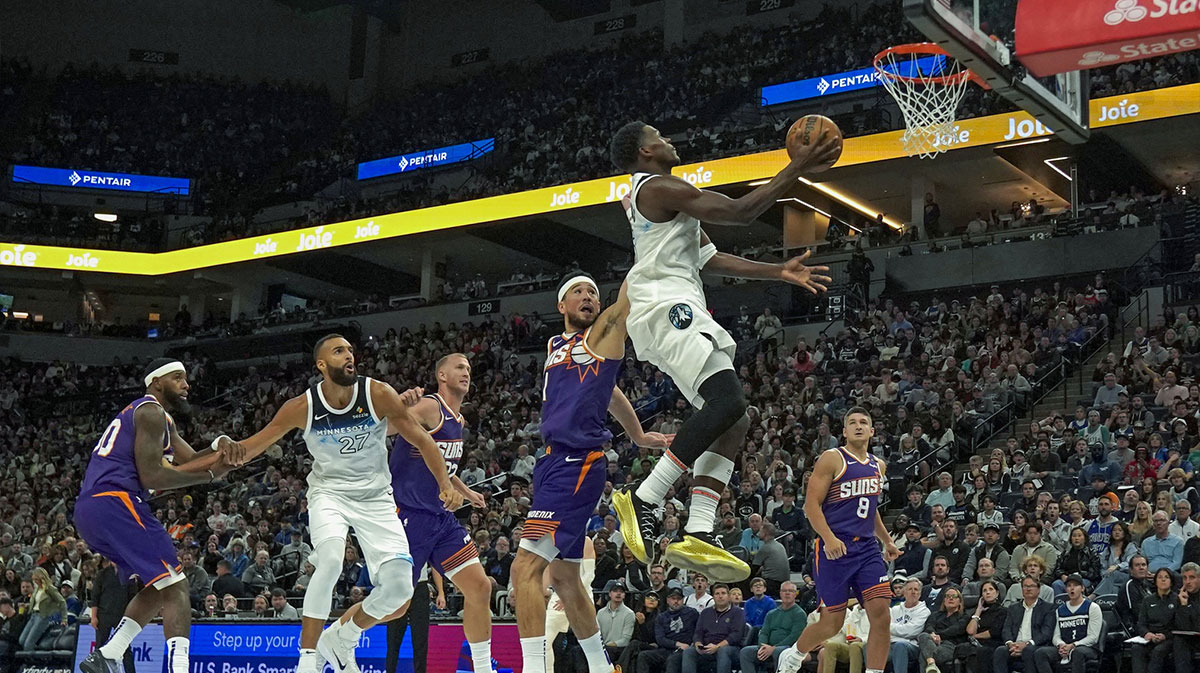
[[566, 487], [861, 573], [119, 526], [437, 540]]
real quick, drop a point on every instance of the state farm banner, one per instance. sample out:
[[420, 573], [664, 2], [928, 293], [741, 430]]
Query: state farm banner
[[1054, 36]]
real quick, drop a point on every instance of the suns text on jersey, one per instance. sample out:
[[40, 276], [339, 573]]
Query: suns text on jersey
[[857, 487]]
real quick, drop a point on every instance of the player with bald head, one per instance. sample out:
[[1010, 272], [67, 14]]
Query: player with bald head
[[346, 419], [579, 390]]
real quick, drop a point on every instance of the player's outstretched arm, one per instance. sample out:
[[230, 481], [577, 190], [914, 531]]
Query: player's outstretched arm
[[822, 477], [622, 410], [672, 194], [293, 415], [151, 421], [389, 405], [793, 271]]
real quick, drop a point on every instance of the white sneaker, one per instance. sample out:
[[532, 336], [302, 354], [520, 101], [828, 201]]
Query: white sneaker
[[313, 664], [791, 660], [334, 649]]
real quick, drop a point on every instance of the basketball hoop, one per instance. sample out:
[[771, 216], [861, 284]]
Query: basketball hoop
[[928, 84]]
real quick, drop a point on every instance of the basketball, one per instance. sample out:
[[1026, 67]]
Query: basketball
[[808, 130]]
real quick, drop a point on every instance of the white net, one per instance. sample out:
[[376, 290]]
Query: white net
[[928, 89]]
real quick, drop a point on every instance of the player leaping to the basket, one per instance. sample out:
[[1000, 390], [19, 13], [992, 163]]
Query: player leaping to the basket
[[670, 327]]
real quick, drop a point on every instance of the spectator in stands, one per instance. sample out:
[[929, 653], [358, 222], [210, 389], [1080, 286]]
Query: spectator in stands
[[953, 549], [908, 623], [1100, 468], [944, 494], [719, 633], [1036, 568], [699, 599], [1079, 560], [917, 511], [846, 646], [752, 539], [1181, 490], [972, 590], [1034, 546], [616, 623], [1154, 622], [674, 632], [938, 583], [759, 604], [1163, 550], [780, 628], [226, 583], [1168, 390], [945, 629], [1028, 625], [771, 559], [915, 558], [1055, 529], [990, 549], [1183, 525], [1106, 398], [196, 577], [1187, 618], [280, 608], [259, 577], [46, 604], [1114, 563], [1076, 632], [237, 557]]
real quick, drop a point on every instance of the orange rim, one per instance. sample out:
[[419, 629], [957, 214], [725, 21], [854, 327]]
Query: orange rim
[[925, 49]]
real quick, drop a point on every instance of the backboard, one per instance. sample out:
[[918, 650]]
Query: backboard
[[981, 34]]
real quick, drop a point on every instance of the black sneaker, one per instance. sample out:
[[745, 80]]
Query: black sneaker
[[637, 524], [97, 663]]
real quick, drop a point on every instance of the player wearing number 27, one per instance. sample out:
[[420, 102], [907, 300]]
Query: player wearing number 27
[[843, 508]]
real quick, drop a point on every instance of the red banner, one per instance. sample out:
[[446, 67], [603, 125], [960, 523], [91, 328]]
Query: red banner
[[1054, 36]]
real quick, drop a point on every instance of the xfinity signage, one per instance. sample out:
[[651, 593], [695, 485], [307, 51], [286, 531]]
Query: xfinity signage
[[854, 80], [415, 161], [124, 182]]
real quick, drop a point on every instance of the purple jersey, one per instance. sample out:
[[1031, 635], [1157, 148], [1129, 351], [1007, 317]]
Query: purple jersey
[[576, 390], [413, 484], [853, 497], [113, 466]]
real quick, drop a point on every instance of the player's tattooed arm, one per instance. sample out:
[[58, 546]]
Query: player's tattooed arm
[[389, 405], [151, 422], [293, 415], [607, 336]]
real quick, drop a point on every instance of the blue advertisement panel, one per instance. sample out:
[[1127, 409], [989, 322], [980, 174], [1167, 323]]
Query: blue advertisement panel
[[273, 647], [123, 182], [415, 161], [828, 85]]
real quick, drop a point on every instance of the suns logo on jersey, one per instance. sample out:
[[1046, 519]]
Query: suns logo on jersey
[[857, 487], [575, 356]]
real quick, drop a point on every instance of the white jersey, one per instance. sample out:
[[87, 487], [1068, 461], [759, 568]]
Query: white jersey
[[667, 257], [348, 445]]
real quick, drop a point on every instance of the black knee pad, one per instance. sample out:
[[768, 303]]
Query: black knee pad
[[724, 399]]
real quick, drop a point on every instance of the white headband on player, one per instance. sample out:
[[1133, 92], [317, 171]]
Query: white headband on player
[[169, 368], [575, 281]]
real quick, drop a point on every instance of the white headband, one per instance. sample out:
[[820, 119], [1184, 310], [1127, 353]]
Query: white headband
[[170, 367], [575, 281]]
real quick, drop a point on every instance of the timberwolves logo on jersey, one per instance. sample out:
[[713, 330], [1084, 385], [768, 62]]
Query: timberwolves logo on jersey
[[681, 316], [574, 354]]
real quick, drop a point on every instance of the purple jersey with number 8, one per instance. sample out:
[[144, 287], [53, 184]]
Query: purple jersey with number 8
[[853, 497]]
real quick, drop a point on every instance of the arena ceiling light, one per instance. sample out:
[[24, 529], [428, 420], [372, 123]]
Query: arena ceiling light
[[105, 217], [1056, 169]]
